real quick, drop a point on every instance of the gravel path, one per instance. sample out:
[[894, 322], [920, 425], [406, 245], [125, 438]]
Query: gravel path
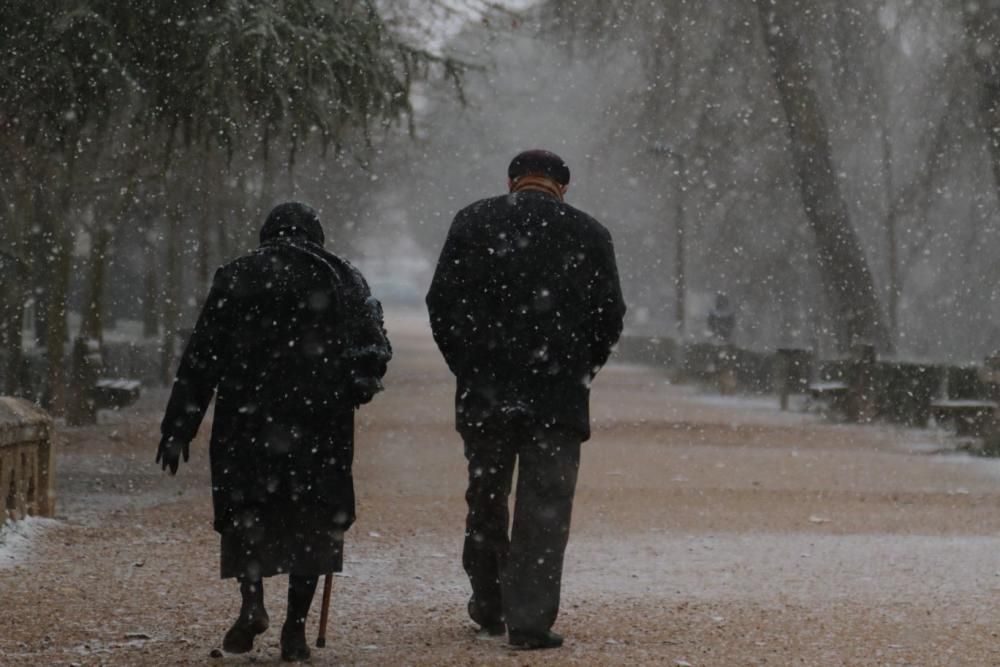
[[707, 531]]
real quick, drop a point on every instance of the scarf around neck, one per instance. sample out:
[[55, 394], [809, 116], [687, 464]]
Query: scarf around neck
[[537, 183]]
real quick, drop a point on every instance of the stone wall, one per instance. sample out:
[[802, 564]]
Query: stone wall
[[26, 460]]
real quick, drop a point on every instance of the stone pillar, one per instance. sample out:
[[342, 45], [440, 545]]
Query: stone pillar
[[27, 472]]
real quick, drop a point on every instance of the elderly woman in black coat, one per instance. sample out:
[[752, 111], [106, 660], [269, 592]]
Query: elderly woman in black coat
[[291, 343]]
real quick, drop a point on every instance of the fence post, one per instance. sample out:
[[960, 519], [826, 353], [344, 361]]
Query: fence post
[[862, 386], [792, 371]]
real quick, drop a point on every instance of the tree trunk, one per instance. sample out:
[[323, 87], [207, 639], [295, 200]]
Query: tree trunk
[[266, 200], [150, 300], [14, 280], [58, 235], [206, 221], [11, 318], [172, 292], [982, 38], [847, 279], [204, 240], [680, 260], [92, 324], [892, 237], [57, 293], [38, 261]]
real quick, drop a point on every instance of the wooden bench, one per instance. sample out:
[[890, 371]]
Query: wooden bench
[[832, 394], [969, 417], [828, 391], [113, 393]]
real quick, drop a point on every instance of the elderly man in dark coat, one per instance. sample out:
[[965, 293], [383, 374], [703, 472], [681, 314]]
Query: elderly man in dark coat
[[525, 306], [291, 342]]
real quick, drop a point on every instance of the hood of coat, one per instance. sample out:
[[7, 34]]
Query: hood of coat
[[292, 219]]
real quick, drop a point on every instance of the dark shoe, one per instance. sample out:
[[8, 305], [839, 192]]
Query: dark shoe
[[528, 639], [294, 647], [239, 638], [491, 624], [497, 629]]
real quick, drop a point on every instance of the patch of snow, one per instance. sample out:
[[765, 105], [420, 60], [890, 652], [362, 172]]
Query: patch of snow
[[882, 569], [769, 567], [924, 446], [18, 537], [988, 466], [769, 403]]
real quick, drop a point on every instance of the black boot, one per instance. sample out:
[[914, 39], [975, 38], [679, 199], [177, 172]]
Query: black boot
[[293, 633], [489, 622], [534, 639], [252, 620]]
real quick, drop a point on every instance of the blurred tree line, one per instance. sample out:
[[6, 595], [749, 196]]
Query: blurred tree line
[[173, 124], [834, 162], [846, 134]]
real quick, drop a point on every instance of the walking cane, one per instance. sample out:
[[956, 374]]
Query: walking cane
[[324, 611]]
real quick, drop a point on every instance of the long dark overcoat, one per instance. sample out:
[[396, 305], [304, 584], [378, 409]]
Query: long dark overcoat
[[525, 306], [271, 341]]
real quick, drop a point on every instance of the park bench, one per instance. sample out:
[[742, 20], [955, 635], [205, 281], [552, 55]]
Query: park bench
[[115, 393], [827, 391], [831, 394], [968, 417], [93, 392]]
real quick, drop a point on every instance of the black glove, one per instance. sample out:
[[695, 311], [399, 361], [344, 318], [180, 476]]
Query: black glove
[[363, 390], [169, 452]]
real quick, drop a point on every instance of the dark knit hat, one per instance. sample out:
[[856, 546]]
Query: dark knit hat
[[292, 219], [540, 162]]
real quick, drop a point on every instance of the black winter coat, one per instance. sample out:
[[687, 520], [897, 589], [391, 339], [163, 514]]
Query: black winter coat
[[272, 340], [525, 306]]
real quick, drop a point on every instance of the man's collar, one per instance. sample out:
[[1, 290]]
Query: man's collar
[[537, 184]]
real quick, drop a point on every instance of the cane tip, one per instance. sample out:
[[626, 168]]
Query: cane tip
[[321, 642]]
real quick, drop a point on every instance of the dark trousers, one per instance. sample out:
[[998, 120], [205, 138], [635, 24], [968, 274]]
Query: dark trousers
[[517, 579]]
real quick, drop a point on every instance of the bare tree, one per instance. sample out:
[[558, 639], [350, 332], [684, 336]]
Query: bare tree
[[982, 35], [847, 279]]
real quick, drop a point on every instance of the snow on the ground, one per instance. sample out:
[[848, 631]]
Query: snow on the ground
[[805, 567], [18, 537], [768, 403], [763, 567], [984, 465]]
